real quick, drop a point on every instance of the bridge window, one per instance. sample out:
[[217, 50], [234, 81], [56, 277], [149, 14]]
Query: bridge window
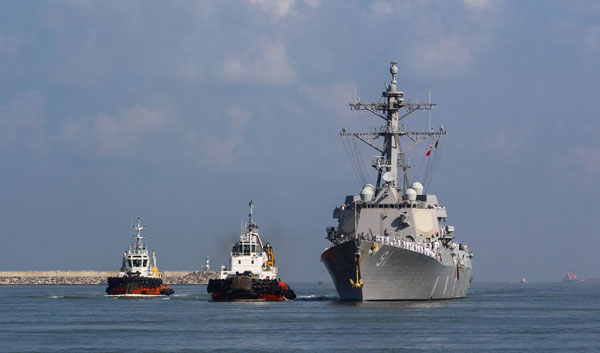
[[145, 263], [137, 263]]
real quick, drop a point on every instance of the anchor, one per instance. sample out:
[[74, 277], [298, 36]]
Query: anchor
[[359, 281]]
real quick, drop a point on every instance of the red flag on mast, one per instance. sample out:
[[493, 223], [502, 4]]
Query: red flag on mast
[[429, 151]]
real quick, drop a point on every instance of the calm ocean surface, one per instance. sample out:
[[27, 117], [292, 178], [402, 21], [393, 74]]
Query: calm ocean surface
[[536, 317]]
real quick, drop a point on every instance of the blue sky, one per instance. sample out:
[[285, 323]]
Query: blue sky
[[183, 112]]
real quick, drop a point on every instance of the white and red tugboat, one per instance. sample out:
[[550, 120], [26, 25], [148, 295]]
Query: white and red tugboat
[[138, 276], [570, 277], [252, 273]]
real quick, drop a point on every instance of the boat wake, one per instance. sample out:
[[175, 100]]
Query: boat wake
[[135, 296], [67, 297], [313, 297]]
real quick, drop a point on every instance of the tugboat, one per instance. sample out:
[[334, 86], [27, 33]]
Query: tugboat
[[137, 275], [570, 277], [252, 273]]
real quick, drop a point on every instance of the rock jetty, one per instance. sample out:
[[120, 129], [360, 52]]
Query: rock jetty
[[95, 277]]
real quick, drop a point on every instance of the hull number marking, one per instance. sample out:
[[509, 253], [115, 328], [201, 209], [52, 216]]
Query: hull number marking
[[382, 260]]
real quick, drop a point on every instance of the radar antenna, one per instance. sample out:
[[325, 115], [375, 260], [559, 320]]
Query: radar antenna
[[392, 110]]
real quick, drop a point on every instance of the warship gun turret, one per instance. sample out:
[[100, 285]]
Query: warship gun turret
[[392, 241]]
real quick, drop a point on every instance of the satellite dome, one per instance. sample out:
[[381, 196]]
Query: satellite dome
[[410, 194], [418, 187], [367, 193]]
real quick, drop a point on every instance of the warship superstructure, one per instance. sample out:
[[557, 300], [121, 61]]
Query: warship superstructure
[[252, 273], [391, 241], [138, 275]]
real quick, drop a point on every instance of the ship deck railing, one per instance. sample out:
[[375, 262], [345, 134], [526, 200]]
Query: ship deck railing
[[405, 244], [398, 243]]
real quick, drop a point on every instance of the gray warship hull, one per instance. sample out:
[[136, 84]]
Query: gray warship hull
[[392, 273]]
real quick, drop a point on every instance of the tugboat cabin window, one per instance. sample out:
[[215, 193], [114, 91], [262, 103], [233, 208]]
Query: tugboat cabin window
[[145, 263], [130, 265], [137, 263], [246, 249]]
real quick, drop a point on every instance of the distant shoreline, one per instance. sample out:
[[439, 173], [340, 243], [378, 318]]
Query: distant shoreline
[[95, 277]]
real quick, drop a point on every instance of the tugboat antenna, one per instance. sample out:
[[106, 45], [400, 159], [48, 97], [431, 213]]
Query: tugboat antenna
[[139, 227], [250, 215], [251, 226]]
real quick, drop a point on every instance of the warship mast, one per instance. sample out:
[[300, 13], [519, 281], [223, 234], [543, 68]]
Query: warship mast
[[391, 155]]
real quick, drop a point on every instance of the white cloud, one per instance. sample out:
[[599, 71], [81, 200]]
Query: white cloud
[[503, 141], [397, 8], [446, 38], [481, 5], [129, 132], [336, 96], [586, 158], [22, 111], [312, 3], [483, 15], [591, 40], [222, 152], [187, 68], [9, 45], [22, 120], [509, 141], [267, 63], [380, 8], [148, 41], [444, 57], [276, 8], [585, 39]]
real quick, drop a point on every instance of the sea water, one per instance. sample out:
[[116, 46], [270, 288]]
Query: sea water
[[534, 317]]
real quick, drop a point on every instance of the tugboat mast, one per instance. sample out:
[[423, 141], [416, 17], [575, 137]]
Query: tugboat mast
[[139, 245], [391, 155], [251, 225]]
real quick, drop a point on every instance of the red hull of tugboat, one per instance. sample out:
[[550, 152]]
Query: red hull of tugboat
[[245, 288], [137, 285], [122, 290], [245, 296]]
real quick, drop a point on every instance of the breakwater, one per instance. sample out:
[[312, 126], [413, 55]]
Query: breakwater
[[95, 277]]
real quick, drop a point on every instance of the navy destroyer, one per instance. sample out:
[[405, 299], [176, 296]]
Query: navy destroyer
[[392, 241]]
